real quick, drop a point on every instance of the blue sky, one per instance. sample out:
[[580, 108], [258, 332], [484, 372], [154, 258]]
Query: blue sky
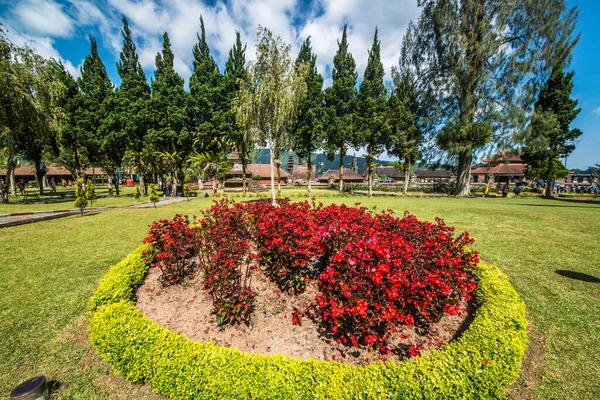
[[60, 28]]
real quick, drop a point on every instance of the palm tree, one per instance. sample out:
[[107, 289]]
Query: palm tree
[[209, 164], [171, 159]]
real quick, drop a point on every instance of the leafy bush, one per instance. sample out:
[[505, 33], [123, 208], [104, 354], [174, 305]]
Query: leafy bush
[[80, 198], [284, 242], [478, 365], [382, 272], [153, 196], [224, 252], [174, 245]]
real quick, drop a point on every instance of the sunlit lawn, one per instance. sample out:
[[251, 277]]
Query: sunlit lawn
[[50, 269]]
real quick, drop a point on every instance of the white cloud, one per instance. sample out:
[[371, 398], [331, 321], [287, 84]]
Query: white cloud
[[290, 19], [43, 17], [596, 112]]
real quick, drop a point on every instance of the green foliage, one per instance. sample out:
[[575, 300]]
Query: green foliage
[[549, 136], [121, 281], [137, 193], [340, 103], [372, 109], [307, 128], [268, 101], [90, 191], [480, 64], [538, 169], [131, 112], [153, 196], [169, 134], [186, 190], [480, 364], [80, 196], [206, 101]]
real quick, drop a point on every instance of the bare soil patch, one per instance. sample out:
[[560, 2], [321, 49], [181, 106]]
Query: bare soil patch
[[531, 368], [186, 309]]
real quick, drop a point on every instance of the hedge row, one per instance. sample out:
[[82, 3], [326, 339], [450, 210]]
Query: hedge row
[[478, 365]]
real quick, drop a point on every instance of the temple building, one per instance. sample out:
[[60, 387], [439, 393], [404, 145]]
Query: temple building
[[502, 167]]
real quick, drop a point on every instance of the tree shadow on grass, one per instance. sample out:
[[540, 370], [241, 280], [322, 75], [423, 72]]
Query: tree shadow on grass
[[578, 276]]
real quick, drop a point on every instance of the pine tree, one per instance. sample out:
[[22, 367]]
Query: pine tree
[[153, 196], [105, 145], [307, 129], [206, 103], [340, 105], [374, 127], [480, 63], [133, 97], [69, 145], [549, 136], [169, 135], [235, 72], [406, 114]]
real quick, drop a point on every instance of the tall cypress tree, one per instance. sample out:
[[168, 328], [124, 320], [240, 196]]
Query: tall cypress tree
[[406, 135], [206, 101], [340, 105], [104, 142], [235, 72], [308, 126], [550, 136], [372, 109], [69, 147], [132, 104], [169, 134], [95, 88]]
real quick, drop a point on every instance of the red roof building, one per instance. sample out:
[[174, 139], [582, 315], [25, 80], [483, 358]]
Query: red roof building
[[503, 167]]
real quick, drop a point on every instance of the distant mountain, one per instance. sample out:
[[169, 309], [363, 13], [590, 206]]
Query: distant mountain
[[320, 160]]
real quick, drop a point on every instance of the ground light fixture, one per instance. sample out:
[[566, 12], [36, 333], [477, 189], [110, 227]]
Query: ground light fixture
[[32, 389]]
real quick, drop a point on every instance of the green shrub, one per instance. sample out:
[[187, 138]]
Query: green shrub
[[121, 281], [478, 365]]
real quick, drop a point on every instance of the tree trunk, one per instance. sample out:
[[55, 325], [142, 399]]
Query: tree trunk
[[200, 182], [142, 184], [549, 177], [341, 171], [370, 174], [174, 183], [463, 184], [39, 176], [117, 186], [278, 177], [13, 181], [308, 174], [407, 168], [110, 188], [244, 166], [272, 165]]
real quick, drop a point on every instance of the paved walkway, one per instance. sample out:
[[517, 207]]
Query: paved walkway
[[8, 220]]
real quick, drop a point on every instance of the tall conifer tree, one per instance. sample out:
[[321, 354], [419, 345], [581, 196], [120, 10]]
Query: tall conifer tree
[[103, 142], [169, 135], [308, 125], [550, 136], [340, 105], [235, 72], [133, 98], [372, 110], [206, 103]]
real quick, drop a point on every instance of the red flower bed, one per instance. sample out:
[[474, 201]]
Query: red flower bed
[[174, 246], [375, 272]]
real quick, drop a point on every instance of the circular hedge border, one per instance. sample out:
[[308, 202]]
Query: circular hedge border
[[480, 364]]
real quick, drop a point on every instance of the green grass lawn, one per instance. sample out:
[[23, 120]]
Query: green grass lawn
[[52, 202], [50, 269]]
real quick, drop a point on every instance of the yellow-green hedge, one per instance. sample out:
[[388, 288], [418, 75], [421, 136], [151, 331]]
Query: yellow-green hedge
[[478, 365]]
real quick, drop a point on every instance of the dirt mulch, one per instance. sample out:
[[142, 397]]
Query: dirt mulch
[[186, 309], [532, 367]]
